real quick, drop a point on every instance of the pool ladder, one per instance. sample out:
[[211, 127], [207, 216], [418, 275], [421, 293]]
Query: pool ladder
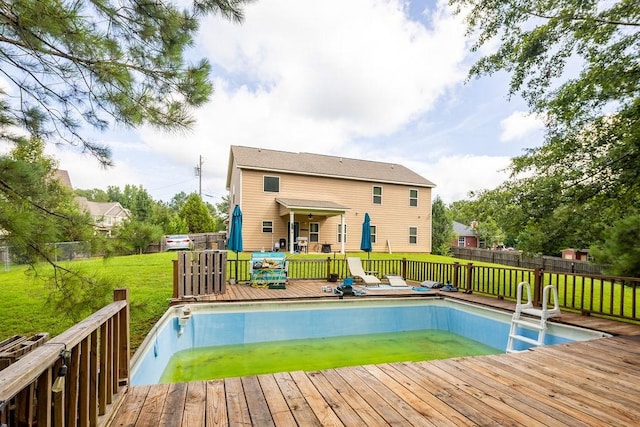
[[536, 318]]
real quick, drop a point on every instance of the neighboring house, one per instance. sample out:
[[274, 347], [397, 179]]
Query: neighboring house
[[465, 236], [325, 198], [105, 215]]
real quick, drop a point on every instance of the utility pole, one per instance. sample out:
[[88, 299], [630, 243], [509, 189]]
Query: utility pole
[[198, 170]]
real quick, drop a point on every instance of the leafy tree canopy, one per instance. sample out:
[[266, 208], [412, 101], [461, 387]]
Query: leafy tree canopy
[[195, 213], [442, 227], [80, 64], [577, 63]]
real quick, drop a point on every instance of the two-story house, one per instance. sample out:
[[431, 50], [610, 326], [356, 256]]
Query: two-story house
[[286, 196], [105, 215]]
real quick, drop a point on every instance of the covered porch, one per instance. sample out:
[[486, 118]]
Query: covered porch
[[308, 218]]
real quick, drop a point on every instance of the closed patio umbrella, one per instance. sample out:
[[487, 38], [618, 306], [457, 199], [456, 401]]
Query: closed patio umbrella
[[365, 241], [235, 234]]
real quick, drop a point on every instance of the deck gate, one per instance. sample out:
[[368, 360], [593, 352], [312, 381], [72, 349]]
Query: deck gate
[[199, 273]]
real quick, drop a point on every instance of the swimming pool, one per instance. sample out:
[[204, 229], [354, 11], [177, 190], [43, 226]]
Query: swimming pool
[[205, 325]]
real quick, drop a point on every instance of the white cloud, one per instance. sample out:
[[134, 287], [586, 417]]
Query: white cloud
[[357, 78], [519, 125], [456, 176]]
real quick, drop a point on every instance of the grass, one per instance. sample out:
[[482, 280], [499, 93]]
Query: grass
[[26, 309]]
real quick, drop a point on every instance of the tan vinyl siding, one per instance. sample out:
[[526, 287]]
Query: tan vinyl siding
[[392, 218]]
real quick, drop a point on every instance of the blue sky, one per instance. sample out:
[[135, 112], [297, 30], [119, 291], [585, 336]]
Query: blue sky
[[376, 80]]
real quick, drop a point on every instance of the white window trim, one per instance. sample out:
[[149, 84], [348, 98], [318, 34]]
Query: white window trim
[[373, 195], [410, 235], [417, 198], [341, 234]]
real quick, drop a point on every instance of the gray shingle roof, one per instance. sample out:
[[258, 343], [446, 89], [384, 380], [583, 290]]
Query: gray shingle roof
[[462, 230], [323, 165]]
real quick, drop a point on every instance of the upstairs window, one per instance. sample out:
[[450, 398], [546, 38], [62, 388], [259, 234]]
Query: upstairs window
[[374, 231], [413, 197], [377, 195], [267, 226], [271, 184], [413, 235]]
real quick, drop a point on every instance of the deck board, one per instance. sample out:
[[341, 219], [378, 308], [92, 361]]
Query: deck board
[[591, 383]]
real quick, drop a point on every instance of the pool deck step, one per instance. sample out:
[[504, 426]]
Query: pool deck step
[[532, 388]]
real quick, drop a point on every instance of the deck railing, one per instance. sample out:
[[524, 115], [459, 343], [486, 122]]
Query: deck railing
[[588, 294], [75, 378]]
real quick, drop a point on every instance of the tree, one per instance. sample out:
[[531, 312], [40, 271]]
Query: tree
[[590, 157], [73, 65], [134, 236], [620, 248], [94, 195], [48, 215], [442, 228], [196, 215]]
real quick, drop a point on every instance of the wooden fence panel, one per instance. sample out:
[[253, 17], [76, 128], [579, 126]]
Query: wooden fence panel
[[200, 273]]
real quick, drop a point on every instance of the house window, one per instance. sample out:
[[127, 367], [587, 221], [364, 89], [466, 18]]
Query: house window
[[340, 233], [461, 241], [374, 230], [267, 226], [413, 197], [377, 195], [413, 235], [314, 232], [271, 184]]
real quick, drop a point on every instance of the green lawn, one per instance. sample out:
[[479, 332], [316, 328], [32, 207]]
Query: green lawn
[[26, 310]]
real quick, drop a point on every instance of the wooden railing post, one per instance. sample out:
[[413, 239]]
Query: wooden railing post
[[537, 286], [456, 275], [124, 336], [469, 284], [404, 268], [328, 273]]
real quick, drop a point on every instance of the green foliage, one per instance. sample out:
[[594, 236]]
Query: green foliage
[[441, 228], [81, 294], [109, 61], [134, 236], [584, 177], [195, 213], [620, 248], [134, 198], [94, 195], [35, 209]]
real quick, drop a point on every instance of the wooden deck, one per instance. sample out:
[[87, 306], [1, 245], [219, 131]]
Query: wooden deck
[[593, 383]]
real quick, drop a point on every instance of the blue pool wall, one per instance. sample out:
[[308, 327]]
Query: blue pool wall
[[253, 323]]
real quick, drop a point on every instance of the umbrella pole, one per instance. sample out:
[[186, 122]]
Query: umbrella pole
[[237, 281]]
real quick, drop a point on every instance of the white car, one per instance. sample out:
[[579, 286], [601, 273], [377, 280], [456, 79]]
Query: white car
[[178, 242]]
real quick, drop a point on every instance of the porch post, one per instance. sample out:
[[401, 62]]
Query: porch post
[[343, 234], [291, 227]]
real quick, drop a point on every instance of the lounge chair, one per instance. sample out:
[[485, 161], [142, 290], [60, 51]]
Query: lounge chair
[[355, 267], [396, 281]]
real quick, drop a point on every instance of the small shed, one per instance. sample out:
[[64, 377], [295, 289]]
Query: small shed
[[576, 254]]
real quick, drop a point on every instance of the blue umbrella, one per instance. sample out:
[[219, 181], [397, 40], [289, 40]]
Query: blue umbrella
[[365, 241], [235, 234]]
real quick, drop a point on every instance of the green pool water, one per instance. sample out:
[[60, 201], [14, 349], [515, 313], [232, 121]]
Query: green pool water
[[321, 353]]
